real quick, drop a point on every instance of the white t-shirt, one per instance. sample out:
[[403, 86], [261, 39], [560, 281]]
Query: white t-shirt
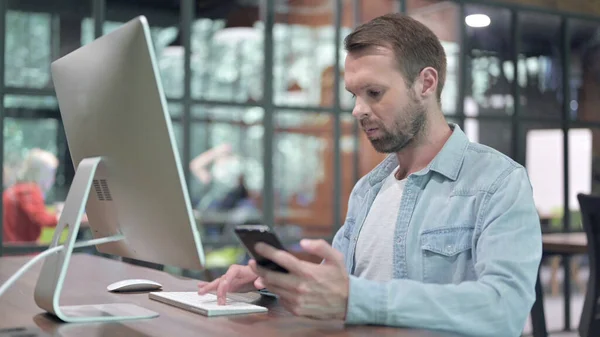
[[375, 246]]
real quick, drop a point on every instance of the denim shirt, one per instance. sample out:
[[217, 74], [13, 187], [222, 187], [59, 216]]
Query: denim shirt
[[467, 245]]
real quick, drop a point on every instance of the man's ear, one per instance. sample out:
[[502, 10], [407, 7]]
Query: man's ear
[[428, 79]]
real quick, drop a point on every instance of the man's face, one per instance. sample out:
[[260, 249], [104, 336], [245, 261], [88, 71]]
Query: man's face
[[388, 111]]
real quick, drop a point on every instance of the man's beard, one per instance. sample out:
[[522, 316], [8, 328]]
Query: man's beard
[[403, 133]]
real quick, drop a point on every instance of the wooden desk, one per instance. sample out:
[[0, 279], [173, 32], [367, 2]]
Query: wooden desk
[[564, 243], [89, 275], [552, 244]]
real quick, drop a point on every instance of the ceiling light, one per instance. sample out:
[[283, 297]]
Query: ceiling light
[[477, 20]]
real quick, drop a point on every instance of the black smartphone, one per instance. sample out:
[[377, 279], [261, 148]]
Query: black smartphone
[[250, 235]]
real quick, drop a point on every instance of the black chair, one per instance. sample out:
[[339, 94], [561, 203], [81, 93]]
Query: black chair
[[538, 317], [589, 324]]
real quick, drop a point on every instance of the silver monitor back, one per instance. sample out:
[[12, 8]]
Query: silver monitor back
[[113, 106]]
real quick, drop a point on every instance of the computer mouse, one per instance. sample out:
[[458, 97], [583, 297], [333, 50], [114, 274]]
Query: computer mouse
[[134, 285]]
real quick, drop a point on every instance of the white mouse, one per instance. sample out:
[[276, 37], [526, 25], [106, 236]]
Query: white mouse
[[134, 285]]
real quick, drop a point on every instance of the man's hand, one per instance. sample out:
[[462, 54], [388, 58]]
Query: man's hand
[[236, 279], [312, 290]]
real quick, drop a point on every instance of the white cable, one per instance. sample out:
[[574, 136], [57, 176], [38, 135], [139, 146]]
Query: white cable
[[52, 250]]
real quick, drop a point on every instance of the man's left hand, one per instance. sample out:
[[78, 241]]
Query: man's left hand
[[313, 290]]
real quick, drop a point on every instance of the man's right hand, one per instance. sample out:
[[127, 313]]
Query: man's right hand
[[237, 279]]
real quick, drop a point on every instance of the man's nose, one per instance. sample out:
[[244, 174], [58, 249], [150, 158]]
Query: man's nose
[[360, 110]]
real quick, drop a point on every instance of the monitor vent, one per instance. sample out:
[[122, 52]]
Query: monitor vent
[[99, 193], [105, 189], [102, 190]]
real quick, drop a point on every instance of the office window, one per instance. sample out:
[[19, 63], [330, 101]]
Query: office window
[[493, 133], [227, 53], [37, 33], [585, 84], [489, 61], [585, 70], [540, 65], [28, 49], [228, 113], [584, 176], [544, 160], [303, 170], [175, 110], [29, 104], [304, 54], [163, 20]]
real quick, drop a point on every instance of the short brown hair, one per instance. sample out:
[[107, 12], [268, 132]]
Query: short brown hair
[[415, 46]]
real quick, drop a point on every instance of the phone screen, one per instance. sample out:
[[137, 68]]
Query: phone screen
[[250, 235]]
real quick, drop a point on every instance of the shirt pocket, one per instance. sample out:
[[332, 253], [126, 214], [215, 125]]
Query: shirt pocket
[[446, 254]]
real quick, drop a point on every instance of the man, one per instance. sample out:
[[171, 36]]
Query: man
[[443, 234]]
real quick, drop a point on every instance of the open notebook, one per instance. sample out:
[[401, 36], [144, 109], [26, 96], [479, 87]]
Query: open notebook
[[206, 304]]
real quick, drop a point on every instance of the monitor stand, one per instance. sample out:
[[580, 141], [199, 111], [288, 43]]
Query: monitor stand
[[51, 279]]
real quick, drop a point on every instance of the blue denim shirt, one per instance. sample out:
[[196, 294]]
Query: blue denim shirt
[[467, 245]]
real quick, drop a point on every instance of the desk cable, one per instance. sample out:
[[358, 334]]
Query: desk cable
[[52, 250]]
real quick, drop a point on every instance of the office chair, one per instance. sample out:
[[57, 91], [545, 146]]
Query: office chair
[[589, 324]]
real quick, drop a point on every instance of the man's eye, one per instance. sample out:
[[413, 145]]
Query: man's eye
[[374, 93]]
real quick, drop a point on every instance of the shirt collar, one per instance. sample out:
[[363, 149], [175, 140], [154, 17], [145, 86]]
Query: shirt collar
[[447, 162]]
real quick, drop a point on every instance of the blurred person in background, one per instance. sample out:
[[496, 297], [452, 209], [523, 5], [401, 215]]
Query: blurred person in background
[[25, 212], [199, 165], [228, 188]]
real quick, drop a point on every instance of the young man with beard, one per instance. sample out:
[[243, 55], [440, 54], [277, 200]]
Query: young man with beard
[[443, 234]]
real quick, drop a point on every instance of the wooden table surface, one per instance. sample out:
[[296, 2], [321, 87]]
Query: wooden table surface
[[568, 243], [86, 283]]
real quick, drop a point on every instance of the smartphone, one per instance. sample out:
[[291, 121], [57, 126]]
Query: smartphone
[[250, 235]]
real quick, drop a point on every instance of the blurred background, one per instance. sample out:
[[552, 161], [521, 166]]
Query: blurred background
[[263, 123]]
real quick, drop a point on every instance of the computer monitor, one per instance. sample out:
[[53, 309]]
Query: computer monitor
[[129, 177]]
